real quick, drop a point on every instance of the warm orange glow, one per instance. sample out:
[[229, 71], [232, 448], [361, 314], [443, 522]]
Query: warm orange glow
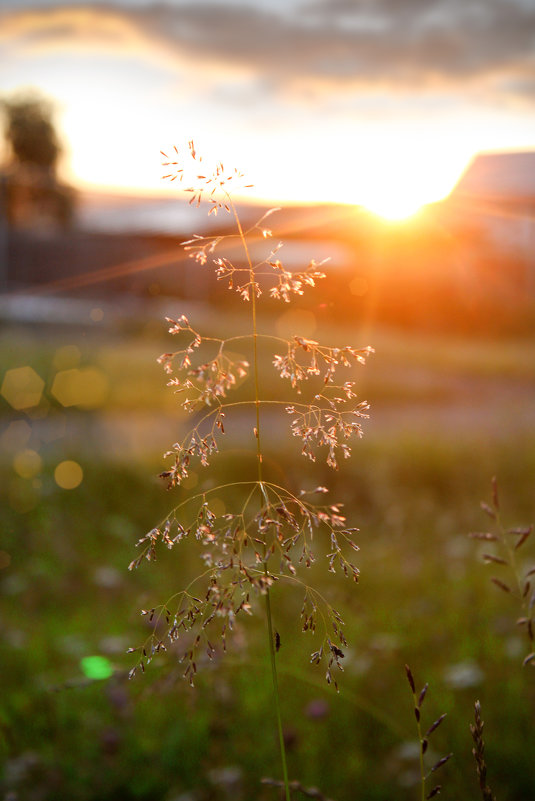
[[391, 188], [129, 82], [396, 184], [395, 208]]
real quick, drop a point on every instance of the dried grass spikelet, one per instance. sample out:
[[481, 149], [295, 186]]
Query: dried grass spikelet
[[476, 730], [423, 737]]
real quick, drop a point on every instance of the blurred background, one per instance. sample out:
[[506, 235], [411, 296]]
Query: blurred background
[[398, 141]]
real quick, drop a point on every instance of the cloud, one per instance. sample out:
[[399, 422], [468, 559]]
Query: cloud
[[69, 28], [410, 43], [325, 45]]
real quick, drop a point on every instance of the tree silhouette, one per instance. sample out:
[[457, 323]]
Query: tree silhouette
[[30, 132], [33, 196]]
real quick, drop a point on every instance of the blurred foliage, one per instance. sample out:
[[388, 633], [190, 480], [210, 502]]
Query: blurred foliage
[[67, 596], [424, 598], [32, 192], [31, 133]]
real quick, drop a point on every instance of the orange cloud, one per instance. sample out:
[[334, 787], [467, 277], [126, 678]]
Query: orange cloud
[[74, 29]]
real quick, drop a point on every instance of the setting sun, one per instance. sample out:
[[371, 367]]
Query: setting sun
[[124, 89], [395, 184], [394, 209]]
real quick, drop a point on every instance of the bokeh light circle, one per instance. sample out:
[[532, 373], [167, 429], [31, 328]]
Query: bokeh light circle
[[27, 463], [96, 667], [68, 475]]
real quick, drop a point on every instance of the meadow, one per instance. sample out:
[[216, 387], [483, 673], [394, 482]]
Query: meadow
[[446, 416]]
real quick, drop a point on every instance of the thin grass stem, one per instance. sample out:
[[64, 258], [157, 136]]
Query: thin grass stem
[[269, 617]]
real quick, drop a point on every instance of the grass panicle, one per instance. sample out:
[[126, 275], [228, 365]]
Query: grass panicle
[[423, 739], [476, 730], [502, 551], [267, 532]]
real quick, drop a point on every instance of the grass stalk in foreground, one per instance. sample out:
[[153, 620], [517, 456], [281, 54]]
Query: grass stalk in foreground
[[518, 583], [269, 617], [268, 536], [423, 739], [476, 730]]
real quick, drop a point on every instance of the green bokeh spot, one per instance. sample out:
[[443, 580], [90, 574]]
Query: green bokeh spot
[[96, 667]]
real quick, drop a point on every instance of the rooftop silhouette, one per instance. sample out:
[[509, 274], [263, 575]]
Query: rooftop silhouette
[[499, 176]]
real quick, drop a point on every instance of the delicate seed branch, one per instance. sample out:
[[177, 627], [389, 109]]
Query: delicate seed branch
[[272, 532]]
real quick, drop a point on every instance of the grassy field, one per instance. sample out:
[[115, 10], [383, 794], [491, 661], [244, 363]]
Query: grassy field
[[446, 417]]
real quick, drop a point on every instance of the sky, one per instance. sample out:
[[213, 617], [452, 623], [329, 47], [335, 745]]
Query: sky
[[381, 103]]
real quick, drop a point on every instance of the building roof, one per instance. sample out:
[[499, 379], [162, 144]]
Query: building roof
[[499, 176]]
